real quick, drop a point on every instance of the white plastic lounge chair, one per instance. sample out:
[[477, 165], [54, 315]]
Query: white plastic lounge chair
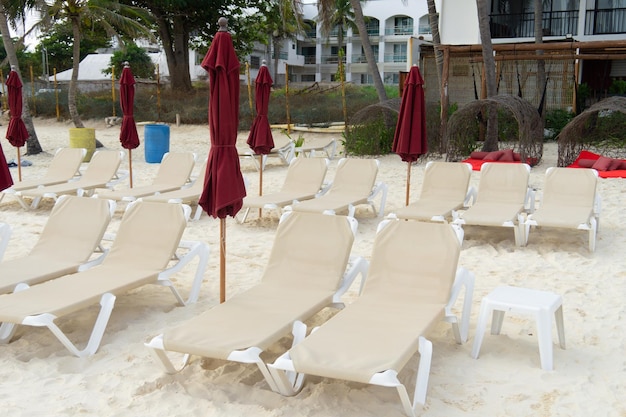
[[5, 235], [328, 150], [146, 242], [412, 284], [189, 194], [173, 173], [304, 180], [64, 166], [100, 172], [354, 184], [73, 232], [285, 153], [569, 200], [305, 273], [503, 196], [444, 191]]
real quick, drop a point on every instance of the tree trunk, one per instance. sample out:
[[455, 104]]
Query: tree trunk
[[176, 48], [541, 64], [32, 144], [71, 95], [433, 20], [489, 64], [372, 61]]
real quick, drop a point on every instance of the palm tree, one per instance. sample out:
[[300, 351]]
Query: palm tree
[[489, 64], [8, 14], [110, 14], [283, 21]]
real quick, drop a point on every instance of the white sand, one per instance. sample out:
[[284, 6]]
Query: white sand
[[41, 378]]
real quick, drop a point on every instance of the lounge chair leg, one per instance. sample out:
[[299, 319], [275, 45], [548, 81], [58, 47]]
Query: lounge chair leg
[[158, 353]]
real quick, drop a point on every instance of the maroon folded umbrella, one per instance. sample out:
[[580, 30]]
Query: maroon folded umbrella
[[409, 140], [16, 131], [128, 132], [5, 175], [224, 188]]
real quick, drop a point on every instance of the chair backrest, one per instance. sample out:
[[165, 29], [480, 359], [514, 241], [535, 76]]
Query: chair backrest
[[305, 175], [446, 181], [66, 162], [103, 166], [148, 236], [570, 187], [198, 184], [74, 228], [317, 246], [503, 183], [175, 168], [413, 262], [354, 176]]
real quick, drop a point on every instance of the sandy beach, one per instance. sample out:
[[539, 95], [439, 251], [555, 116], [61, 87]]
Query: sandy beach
[[41, 378]]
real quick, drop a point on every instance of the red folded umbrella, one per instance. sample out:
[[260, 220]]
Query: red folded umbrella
[[128, 132], [5, 175], [224, 188], [16, 131], [409, 140], [260, 138]]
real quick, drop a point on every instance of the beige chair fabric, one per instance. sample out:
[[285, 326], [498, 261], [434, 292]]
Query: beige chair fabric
[[186, 195], [72, 233], [502, 197], [412, 283], [5, 235], [354, 184], [173, 173], [145, 244], [569, 200], [304, 179], [101, 170], [445, 190], [306, 271], [63, 167], [328, 150]]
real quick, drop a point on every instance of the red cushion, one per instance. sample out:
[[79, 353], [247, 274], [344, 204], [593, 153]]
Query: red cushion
[[493, 156], [507, 156], [586, 163], [517, 156], [478, 155], [615, 164], [602, 164], [622, 165]]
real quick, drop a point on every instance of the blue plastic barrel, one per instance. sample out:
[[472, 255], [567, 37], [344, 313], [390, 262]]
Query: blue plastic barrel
[[156, 142]]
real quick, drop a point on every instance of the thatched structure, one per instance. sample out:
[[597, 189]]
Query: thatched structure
[[388, 110], [530, 128], [578, 133]]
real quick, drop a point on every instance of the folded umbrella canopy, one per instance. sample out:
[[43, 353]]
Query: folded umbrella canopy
[[409, 140], [128, 132], [224, 188], [16, 132]]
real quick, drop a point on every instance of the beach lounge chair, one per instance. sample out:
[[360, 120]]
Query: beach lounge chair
[[304, 180], [100, 172], [284, 153], [569, 200], [412, 285], [328, 150], [64, 166], [503, 196], [188, 194], [306, 272], [173, 173], [5, 235], [71, 236], [354, 184], [444, 191], [145, 243]]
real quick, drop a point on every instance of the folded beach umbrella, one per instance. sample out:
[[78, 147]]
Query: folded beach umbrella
[[16, 131], [128, 132]]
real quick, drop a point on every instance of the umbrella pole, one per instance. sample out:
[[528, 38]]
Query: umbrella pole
[[222, 260], [408, 182], [19, 165], [130, 167], [260, 181]]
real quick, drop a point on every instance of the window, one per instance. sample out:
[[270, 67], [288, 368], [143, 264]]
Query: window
[[255, 62]]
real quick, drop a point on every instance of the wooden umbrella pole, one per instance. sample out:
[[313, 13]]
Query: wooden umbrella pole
[[19, 165], [408, 182], [130, 167], [260, 181], [222, 260]]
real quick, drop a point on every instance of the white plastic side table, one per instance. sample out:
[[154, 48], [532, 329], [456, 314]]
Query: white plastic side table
[[541, 304]]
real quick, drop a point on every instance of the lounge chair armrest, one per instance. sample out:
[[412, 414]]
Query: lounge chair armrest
[[324, 189], [463, 278], [470, 198], [194, 248], [356, 265], [379, 188], [529, 201], [93, 262]]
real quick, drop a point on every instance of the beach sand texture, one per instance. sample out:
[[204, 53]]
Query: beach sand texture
[[41, 378]]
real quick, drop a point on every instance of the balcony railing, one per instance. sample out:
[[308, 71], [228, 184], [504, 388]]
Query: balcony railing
[[605, 21], [522, 25], [310, 33], [395, 58], [359, 59], [309, 59], [281, 55], [399, 30], [332, 59]]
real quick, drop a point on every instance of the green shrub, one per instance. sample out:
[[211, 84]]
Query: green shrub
[[374, 138], [556, 120]]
